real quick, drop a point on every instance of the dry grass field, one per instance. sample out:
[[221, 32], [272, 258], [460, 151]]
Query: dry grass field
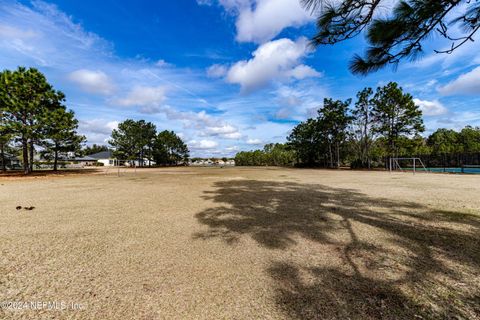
[[240, 243]]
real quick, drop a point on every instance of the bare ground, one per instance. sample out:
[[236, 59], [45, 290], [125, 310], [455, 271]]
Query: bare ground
[[240, 243]]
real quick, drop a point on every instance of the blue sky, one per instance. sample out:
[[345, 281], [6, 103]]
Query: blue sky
[[227, 75]]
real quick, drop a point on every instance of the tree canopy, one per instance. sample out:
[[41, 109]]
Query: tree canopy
[[94, 148], [34, 113], [169, 149], [397, 35], [138, 140], [133, 140], [395, 115], [273, 154], [61, 134]]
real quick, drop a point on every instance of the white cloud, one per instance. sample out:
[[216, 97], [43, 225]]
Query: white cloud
[[205, 2], [275, 60], [261, 20], [150, 98], [467, 83], [268, 19], [207, 125], [225, 129], [431, 108], [42, 35], [302, 71], [453, 120], [254, 142], [222, 130], [233, 135], [217, 71], [97, 130], [100, 126], [163, 64], [202, 144], [92, 81], [7, 31]]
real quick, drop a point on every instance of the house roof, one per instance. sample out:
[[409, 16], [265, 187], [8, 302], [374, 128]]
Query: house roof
[[101, 155], [86, 158]]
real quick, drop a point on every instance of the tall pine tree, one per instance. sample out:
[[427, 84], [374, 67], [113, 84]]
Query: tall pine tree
[[395, 116], [25, 98]]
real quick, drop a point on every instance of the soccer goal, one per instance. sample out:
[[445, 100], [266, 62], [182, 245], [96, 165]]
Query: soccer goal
[[407, 165]]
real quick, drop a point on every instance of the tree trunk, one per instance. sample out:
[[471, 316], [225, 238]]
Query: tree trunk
[[337, 147], [26, 167], [2, 155], [32, 149], [367, 153], [365, 136], [55, 161], [330, 154]]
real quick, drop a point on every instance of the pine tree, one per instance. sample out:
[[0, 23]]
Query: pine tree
[[133, 140], [395, 116], [334, 121], [395, 35], [61, 134], [362, 114], [25, 97]]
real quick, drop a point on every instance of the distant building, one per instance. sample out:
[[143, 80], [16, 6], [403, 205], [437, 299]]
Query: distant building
[[108, 160], [79, 161], [105, 157]]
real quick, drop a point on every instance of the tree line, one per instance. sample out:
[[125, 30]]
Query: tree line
[[139, 140], [33, 114], [273, 154], [377, 126]]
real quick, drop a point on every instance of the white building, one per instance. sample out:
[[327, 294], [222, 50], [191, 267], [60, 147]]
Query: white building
[[105, 157], [108, 160]]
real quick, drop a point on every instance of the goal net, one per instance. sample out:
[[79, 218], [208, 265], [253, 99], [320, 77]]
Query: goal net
[[407, 165]]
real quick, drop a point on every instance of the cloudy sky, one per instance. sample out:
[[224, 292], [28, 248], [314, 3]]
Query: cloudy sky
[[227, 75]]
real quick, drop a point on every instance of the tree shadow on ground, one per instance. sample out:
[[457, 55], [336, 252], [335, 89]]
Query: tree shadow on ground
[[398, 259]]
